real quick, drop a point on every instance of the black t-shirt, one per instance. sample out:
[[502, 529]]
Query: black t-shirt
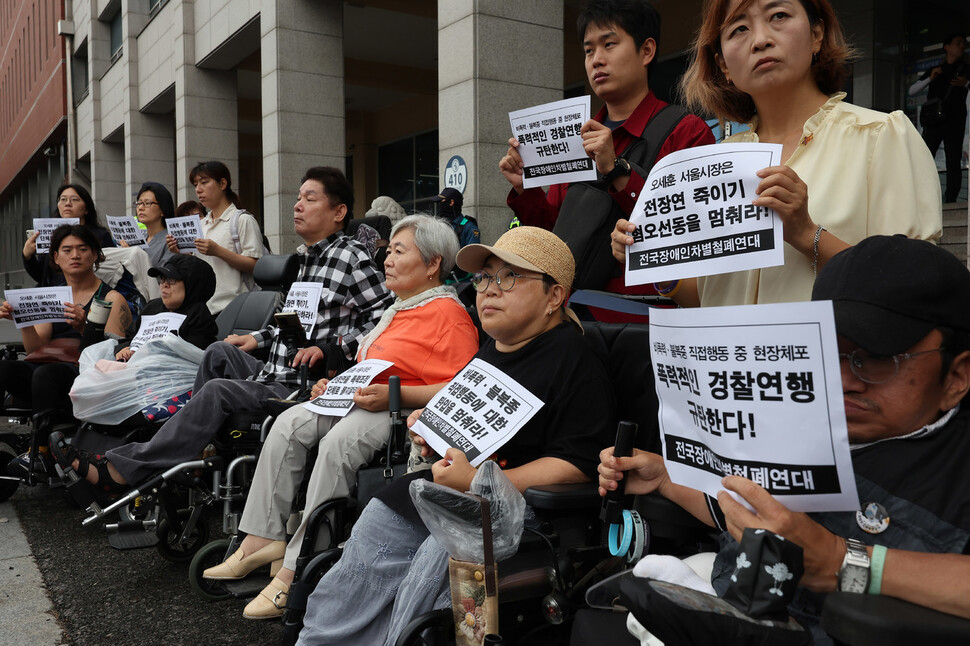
[[576, 422], [956, 101]]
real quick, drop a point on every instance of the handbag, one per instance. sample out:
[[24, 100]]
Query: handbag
[[65, 350], [474, 590]]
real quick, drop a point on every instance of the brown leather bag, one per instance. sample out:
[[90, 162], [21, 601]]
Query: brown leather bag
[[67, 350]]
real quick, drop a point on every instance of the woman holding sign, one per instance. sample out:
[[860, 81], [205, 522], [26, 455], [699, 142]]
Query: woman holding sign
[[47, 381], [73, 201], [391, 570], [428, 336], [849, 172], [153, 206]]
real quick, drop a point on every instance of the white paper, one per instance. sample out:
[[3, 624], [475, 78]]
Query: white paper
[[46, 227], [338, 399], [304, 299], [126, 229], [186, 230], [479, 410], [550, 143], [756, 391], [156, 326], [38, 304], [695, 215]]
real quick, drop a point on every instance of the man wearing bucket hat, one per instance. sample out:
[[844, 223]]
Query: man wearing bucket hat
[[522, 281], [902, 315]]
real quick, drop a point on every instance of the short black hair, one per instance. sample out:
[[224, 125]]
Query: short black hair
[[638, 18], [78, 231], [953, 34], [335, 185]]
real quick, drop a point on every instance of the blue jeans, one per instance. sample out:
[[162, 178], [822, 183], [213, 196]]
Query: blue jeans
[[389, 573]]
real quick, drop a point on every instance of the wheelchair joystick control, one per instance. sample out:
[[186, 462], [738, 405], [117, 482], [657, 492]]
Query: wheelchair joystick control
[[612, 510], [399, 429]]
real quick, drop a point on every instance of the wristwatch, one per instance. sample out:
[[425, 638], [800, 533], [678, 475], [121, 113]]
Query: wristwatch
[[621, 168], [854, 573]]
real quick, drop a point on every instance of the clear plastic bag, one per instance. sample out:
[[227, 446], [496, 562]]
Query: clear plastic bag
[[161, 369], [455, 518]]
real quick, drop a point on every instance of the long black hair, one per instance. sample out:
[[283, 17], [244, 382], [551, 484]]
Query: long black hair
[[91, 214]]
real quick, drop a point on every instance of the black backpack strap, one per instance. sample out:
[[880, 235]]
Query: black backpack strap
[[643, 152]]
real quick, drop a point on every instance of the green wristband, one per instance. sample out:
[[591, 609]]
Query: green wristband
[[876, 563]]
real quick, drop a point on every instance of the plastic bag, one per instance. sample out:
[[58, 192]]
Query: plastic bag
[[161, 369], [455, 518]]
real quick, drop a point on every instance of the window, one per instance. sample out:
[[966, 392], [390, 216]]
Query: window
[[116, 37], [407, 170], [155, 5], [79, 73]]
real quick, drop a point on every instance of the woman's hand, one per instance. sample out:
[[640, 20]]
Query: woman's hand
[[783, 190], [454, 470], [511, 165], [644, 472], [426, 451], [30, 247], [823, 550], [310, 355], [209, 247], [123, 244], [6, 311], [124, 354], [373, 397], [172, 244], [75, 316], [319, 388], [620, 239]]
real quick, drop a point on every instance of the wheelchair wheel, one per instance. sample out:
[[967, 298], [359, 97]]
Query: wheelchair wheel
[[7, 487], [211, 554], [170, 550]]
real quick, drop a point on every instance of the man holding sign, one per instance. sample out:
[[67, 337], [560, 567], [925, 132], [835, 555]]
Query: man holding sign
[[905, 366], [230, 379], [624, 139]]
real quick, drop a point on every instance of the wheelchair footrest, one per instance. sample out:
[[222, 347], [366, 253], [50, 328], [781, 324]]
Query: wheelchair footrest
[[132, 540], [246, 588]]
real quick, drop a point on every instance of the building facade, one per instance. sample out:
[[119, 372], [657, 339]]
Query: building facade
[[389, 90]]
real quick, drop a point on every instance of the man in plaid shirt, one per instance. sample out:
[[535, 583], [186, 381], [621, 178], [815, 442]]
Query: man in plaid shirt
[[352, 301]]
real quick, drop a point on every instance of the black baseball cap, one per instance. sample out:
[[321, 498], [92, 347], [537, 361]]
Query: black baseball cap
[[178, 267], [888, 292], [449, 194]]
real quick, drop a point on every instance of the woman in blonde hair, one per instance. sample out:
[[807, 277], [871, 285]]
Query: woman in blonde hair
[[848, 172]]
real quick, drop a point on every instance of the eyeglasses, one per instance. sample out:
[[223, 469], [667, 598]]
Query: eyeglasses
[[876, 369], [144, 203], [167, 282], [64, 199], [504, 279]]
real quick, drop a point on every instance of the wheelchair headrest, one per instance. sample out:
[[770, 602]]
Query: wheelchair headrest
[[381, 223], [276, 271]]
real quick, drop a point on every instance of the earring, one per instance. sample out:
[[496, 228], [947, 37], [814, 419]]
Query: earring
[[814, 58]]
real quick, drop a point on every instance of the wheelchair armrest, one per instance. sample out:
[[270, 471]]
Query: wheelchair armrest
[[668, 519], [871, 620], [581, 495]]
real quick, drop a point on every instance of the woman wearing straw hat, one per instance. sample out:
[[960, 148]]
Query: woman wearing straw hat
[[522, 282]]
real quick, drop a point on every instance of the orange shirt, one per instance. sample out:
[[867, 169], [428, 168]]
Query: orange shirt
[[428, 344]]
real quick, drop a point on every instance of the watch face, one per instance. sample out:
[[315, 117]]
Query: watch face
[[854, 579]]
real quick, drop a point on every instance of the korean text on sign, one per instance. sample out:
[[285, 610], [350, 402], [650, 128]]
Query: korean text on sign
[[754, 391], [155, 327], [38, 304], [479, 410], [338, 398], [186, 230], [125, 229], [550, 142], [694, 216], [45, 228], [304, 299]]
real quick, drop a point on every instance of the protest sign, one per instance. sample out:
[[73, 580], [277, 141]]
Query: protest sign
[[38, 304], [156, 326], [125, 229], [754, 391], [186, 230], [694, 216], [46, 226], [304, 299], [550, 142], [479, 410], [338, 399]]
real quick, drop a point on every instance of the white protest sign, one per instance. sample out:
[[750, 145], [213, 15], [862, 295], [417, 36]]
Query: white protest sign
[[186, 230], [125, 229], [478, 412], [38, 304], [46, 227], [338, 399], [304, 299], [694, 216], [156, 326], [754, 391], [550, 143]]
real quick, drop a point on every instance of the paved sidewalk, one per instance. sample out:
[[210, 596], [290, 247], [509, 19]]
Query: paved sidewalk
[[25, 609]]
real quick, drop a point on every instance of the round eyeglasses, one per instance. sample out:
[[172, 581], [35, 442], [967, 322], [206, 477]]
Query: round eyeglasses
[[878, 369], [504, 279]]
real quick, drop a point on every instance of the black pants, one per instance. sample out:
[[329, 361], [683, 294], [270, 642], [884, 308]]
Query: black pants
[[40, 386], [950, 134]]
